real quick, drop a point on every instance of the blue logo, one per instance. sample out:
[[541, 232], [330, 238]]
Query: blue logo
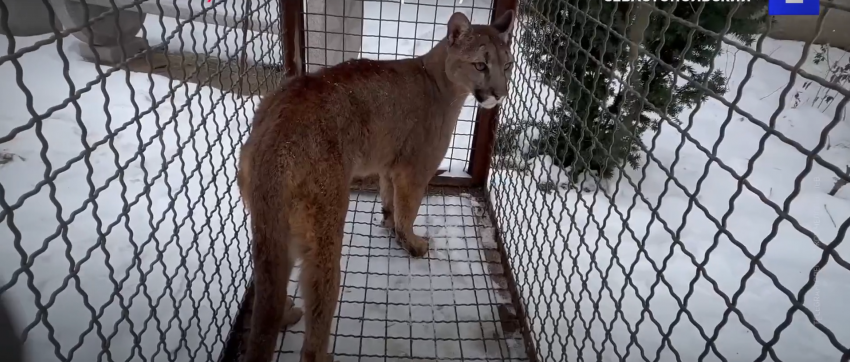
[[793, 7]]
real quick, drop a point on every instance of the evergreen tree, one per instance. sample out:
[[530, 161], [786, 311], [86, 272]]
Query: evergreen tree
[[568, 42]]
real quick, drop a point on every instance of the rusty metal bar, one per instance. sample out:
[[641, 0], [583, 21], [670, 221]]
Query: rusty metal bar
[[371, 183], [293, 50], [233, 346], [484, 136], [483, 141], [521, 314], [292, 36]]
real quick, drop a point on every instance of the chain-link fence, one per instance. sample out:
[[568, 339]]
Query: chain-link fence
[[126, 236], [337, 30], [667, 184], [123, 236]]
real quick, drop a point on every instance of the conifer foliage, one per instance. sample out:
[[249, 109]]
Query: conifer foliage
[[579, 48]]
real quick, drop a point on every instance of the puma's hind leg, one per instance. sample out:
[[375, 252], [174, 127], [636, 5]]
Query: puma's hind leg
[[291, 314], [387, 195], [272, 307], [318, 220], [408, 190]]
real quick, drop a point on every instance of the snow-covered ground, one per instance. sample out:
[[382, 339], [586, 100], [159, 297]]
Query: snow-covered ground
[[179, 251], [391, 30], [588, 264], [158, 259], [165, 231], [176, 253]]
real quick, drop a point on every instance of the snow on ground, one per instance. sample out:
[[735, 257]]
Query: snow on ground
[[445, 306], [588, 266], [176, 255], [175, 231], [391, 30], [420, 25], [214, 40]]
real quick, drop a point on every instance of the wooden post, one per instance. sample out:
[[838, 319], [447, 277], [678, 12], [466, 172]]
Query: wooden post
[[484, 136], [292, 36], [292, 42]]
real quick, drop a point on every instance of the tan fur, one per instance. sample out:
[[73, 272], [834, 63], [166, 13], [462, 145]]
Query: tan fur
[[363, 117]]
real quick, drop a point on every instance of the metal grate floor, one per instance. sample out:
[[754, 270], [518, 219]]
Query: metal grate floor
[[452, 305]]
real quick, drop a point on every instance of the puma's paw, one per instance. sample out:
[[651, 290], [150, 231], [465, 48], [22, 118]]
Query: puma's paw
[[291, 313], [416, 245], [292, 316], [387, 221]]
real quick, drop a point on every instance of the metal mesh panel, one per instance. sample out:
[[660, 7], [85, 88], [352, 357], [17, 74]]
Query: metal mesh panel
[[724, 240], [718, 236], [127, 238], [123, 236], [337, 30], [452, 305]]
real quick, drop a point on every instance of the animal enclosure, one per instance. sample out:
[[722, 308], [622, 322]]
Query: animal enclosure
[[663, 183]]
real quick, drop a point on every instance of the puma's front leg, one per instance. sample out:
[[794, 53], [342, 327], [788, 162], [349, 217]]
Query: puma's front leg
[[409, 188]]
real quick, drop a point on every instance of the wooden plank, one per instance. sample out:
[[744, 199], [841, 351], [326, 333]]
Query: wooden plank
[[521, 314], [292, 41], [371, 183], [486, 121]]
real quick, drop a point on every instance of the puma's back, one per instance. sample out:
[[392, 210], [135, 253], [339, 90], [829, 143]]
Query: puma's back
[[378, 109], [363, 117]]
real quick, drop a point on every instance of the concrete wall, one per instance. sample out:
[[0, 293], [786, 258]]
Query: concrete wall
[[836, 27], [27, 18]]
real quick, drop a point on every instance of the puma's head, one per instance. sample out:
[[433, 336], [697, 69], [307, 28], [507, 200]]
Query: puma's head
[[479, 58]]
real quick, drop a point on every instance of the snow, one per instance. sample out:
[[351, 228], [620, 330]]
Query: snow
[[391, 30], [420, 25], [176, 257], [179, 252], [596, 255], [393, 306]]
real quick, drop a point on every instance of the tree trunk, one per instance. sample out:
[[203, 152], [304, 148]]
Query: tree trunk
[[632, 105]]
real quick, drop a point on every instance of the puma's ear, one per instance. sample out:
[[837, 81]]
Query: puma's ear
[[458, 27], [504, 24]]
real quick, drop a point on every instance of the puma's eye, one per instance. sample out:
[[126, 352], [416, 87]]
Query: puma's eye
[[508, 65], [480, 66]]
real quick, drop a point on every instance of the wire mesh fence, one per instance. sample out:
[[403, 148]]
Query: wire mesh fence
[[667, 183], [680, 200], [453, 305], [123, 235], [127, 239], [337, 30]]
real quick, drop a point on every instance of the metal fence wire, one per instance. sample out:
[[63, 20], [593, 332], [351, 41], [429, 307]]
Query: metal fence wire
[[123, 235], [665, 182], [655, 192]]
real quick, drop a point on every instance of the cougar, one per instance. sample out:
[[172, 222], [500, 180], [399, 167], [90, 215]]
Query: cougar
[[311, 137]]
